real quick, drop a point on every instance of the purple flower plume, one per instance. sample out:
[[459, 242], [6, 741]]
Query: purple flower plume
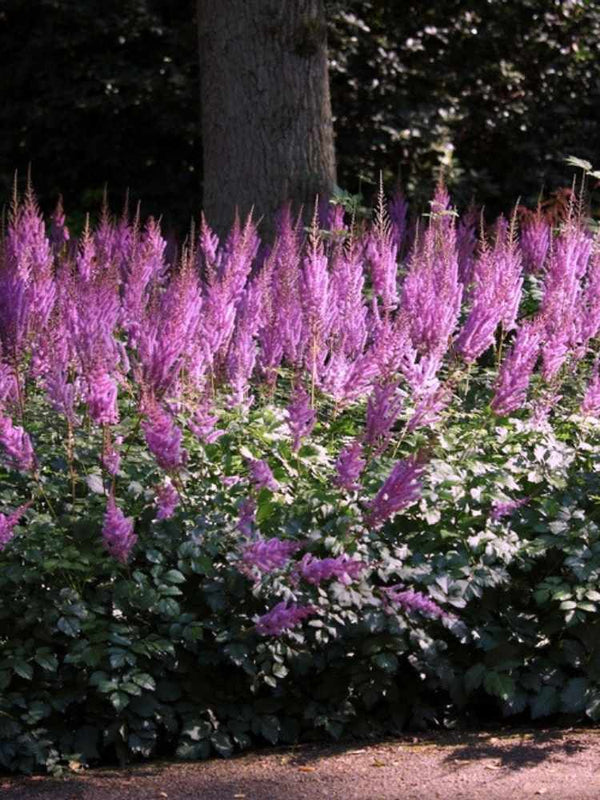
[[8, 522], [515, 373], [111, 458], [265, 555], [349, 466], [401, 489], [261, 475], [505, 509], [383, 408], [429, 407], [412, 601], [343, 568], [203, 424], [535, 241], [282, 617], [102, 398], [247, 518], [117, 532], [167, 500], [590, 405], [301, 417], [164, 439], [18, 449]]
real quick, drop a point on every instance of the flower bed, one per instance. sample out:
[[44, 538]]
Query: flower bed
[[338, 485]]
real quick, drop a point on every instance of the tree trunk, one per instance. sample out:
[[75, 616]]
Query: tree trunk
[[267, 131]]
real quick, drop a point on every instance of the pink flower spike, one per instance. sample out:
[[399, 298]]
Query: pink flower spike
[[117, 532], [8, 523]]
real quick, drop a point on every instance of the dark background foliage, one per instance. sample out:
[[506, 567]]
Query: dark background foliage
[[97, 93]]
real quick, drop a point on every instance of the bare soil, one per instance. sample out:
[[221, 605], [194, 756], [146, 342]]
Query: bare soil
[[548, 764]]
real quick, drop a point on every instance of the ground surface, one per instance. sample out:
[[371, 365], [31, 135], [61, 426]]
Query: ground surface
[[553, 764]]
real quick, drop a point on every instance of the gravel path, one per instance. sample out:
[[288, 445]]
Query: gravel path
[[552, 764]]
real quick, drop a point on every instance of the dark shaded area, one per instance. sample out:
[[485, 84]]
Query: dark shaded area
[[101, 93], [498, 90]]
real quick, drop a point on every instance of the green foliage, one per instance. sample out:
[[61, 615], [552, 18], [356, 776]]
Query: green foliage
[[101, 662]]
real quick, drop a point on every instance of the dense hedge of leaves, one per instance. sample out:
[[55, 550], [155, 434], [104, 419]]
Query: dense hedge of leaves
[[466, 589]]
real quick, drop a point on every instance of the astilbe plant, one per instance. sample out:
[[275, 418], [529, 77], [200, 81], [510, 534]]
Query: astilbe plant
[[276, 421]]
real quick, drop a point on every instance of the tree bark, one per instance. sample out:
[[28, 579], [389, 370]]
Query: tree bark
[[267, 131]]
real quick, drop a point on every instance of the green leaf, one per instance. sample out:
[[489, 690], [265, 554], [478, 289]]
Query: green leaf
[[144, 680], [474, 677], [46, 661], [545, 702], [222, 743], [201, 730], [499, 684], [70, 626], [573, 696], [269, 728], [119, 700], [23, 669], [174, 576]]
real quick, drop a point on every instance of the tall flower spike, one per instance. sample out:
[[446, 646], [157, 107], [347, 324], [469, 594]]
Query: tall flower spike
[[167, 500], [18, 449], [8, 523], [590, 405], [342, 568], [301, 417], [383, 409], [265, 555], [164, 439], [261, 475], [349, 466], [401, 489], [282, 617], [412, 601], [117, 532], [516, 370]]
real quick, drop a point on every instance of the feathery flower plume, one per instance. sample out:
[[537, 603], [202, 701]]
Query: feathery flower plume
[[203, 424], [111, 458], [590, 405], [383, 408], [429, 407], [535, 242], [412, 601], [349, 466], [282, 617], [261, 475], [8, 523], [167, 500], [102, 398], [505, 509], [266, 555], [561, 303], [516, 369], [301, 417], [342, 568], [117, 532], [18, 450], [163, 437], [381, 254], [247, 517], [495, 295], [432, 293], [402, 488]]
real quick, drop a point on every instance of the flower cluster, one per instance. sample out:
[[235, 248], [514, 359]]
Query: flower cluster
[[282, 617]]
